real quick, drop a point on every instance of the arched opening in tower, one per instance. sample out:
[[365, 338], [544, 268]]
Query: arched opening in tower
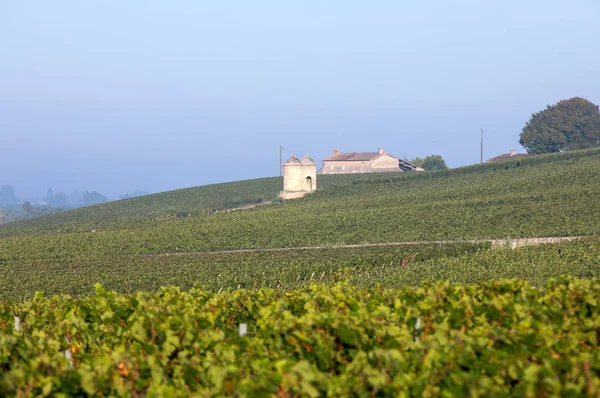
[[309, 184]]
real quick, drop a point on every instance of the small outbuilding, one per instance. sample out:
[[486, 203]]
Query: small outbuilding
[[299, 177], [510, 155]]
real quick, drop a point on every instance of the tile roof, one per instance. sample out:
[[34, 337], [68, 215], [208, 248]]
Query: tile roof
[[406, 166], [353, 157], [367, 157], [505, 156]]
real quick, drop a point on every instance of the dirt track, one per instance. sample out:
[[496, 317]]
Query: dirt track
[[512, 243]]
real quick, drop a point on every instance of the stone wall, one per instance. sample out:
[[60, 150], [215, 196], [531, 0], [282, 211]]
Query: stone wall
[[310, 171], [384, 162], [292, 195], [346, 167], [299, 178], [293, 178]]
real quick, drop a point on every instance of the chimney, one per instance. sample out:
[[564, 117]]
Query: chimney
[[336, 152], [512, 152], [380, 151]]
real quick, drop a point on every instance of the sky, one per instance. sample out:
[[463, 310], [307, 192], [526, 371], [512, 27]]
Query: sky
[[112, 95]]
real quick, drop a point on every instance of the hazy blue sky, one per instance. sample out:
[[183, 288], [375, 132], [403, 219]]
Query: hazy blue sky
[[117, 95]]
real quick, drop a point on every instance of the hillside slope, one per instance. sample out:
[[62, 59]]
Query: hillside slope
[[554, 195], [162, 206], [141, 209]]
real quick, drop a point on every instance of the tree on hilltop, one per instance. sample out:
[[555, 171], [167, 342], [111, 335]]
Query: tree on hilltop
[[416, 161], [49, 195], [93, 198], [566, 125], [59, 199], [432, 162], [28, 208], [7, 196]]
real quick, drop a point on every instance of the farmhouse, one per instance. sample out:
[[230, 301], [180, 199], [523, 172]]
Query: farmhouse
[[365, 162]]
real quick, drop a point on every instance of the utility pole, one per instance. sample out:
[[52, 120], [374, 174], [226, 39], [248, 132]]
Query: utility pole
[[481, 155], [280, 160]]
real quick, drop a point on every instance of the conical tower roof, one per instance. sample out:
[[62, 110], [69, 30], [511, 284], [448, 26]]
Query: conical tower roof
[[293, 161], [306, 161]]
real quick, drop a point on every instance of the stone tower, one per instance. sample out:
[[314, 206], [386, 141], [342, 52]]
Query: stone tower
[[299, 177]]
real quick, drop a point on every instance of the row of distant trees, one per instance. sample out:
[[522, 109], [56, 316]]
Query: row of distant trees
[[76, 199], [9, 198], [11, 211], [12, 208]]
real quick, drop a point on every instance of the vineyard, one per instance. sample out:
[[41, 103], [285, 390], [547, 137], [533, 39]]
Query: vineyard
[[393, 267], [177, 204], [513, 199], [116, 243], [503, 338], [84, 310], [182, 202]]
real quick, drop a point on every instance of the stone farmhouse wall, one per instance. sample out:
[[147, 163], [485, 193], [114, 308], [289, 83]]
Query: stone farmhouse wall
[[383, 161]]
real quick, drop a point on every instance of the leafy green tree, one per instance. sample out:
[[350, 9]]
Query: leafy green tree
[[417, 162], [134, 194], [432, 162], [75, 197], [93, 198], [28, 208], [7, 196], [59, 199], [566, 125], [49, 195]]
